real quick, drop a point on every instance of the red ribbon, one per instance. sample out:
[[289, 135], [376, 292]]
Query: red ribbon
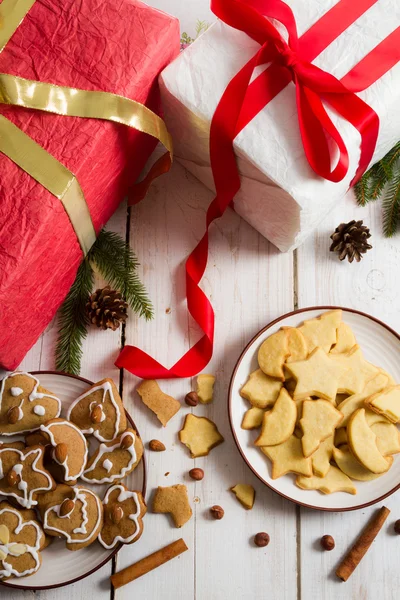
[[241, 102]]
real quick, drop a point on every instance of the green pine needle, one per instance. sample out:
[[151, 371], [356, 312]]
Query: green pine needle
[[73, 322], [391, 207], [361, 190]]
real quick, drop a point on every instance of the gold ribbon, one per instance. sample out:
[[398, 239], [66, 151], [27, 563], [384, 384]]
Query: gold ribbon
[[61, 100]]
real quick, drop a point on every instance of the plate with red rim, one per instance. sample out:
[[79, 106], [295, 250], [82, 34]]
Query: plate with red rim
[[60, 566], [381, 346]]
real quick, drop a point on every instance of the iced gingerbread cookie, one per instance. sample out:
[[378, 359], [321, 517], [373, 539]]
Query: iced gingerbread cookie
[[114, 460], [78, 519], [123, 516], [24, 404], [23, 476], [69, 452], [21, 539], [99, 411]]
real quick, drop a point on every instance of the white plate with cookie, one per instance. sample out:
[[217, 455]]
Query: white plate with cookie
[[315, 413], [61, 566]]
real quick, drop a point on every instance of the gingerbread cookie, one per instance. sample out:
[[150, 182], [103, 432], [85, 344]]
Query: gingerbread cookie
[[162, 405], [23, 476], [114, 460], [21, 539], [99, 411], [24, 404], [173, 500], [70, 449], [79, 519], [53, 497], [123, 516]]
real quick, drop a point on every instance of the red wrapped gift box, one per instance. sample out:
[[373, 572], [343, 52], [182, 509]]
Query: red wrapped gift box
[[117, 46]]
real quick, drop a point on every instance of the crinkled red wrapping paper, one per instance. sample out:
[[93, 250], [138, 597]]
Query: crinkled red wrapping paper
[[116, 46]]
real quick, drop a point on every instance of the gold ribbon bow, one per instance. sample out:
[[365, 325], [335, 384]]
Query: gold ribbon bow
[[39, 163]]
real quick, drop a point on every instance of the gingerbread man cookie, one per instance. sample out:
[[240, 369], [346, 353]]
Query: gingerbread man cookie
[[21, 539], [24, 404], [114, 460], [23, 476], [78, 519], [99, 411], [69, 452], [123, 514]]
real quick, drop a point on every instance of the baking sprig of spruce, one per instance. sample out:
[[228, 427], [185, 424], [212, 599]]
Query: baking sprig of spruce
[[383, 180], [115, 261]]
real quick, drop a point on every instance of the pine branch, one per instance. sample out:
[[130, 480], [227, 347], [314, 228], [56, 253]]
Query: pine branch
[[391, 207], [73, 322], [361, 190], [118, 264]]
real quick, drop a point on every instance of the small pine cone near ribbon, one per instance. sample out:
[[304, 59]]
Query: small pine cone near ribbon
[[350, 240], [106, 308]]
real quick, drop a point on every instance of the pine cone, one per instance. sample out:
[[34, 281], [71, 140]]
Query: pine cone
[[350, 239], [106, 308]]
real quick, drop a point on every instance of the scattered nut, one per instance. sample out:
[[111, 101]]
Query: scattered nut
[[116, 514], [327, 542], [66, 507], [397, 526], [156, 446], [13, 415], [196, 474], [96, 414], [261, 539], [192, 399], [60, 453], [126, 442], [12, 478], [217, 512]]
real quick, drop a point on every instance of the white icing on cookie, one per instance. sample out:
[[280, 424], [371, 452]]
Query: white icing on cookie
[[80, 494], [1, 469], [107, 464], [27, 500], [6, 569], [106, 387], [123, 495], [103, 415], [47, 429], [20, 413], [104, 449], [16, 391], [39, 410]]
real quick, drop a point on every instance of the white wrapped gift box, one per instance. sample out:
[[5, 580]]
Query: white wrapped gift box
[[280, 194]]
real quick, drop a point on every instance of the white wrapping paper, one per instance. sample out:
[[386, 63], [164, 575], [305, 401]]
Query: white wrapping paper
[[280, 194]]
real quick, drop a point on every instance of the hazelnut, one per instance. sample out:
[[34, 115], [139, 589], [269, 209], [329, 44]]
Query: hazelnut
[[116, 514], [156, 446], [96, 414], [12, 478], [397, 526], [13, 415], [217, 512], [192, 399], [327, 542], [61, 452], [126, 441], [66, 507], [261, 539], [196, 474]]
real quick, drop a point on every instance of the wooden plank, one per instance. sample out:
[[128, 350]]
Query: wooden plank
[[371, 286]]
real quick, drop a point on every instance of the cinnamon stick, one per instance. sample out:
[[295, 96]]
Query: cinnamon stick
[[148, 564], [357, 552]]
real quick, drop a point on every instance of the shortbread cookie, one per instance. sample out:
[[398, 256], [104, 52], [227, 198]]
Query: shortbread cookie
[[278, 424], [372, 417], [334, 481], [273, 353], [356, 401], [261, 390], [318, 375], [321, 458], [347, 463], [340, 436], [319, 420], [21, 539], [362, 442], [123, 517], [70, 450], [164, 406], [245, 494], [288, 458], [24, 404], [387, 438], [205, 387], [78, 519], [357, 373], [345, 339], [23, 476], [173, 500], [297, 345], [114, 460], [200, 435], [322, 332], [252, 418], [387, 403], [99, 411]]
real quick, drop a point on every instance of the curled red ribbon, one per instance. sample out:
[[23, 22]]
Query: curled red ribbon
[[241, 102]]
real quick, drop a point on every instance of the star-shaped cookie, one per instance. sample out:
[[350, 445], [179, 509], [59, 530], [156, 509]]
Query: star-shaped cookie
[[358, 371], [288, 458]]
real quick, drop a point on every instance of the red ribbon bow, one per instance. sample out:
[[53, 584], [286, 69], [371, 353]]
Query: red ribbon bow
[[240, 103]]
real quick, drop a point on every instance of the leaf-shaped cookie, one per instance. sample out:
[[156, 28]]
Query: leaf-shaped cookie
[[278, 424], [334, 481], [319, 420]]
